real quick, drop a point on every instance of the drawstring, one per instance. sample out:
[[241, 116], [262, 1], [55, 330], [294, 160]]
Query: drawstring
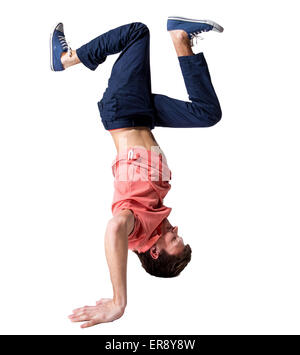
[[130, 155]]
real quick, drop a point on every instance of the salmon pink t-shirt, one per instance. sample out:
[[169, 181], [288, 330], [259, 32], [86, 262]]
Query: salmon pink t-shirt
[[141, 183]]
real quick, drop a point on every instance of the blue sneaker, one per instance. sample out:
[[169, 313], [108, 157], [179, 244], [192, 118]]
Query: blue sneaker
[[192, 27], [58, 45]]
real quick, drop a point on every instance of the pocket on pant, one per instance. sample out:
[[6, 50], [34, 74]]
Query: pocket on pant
[[107, 109]]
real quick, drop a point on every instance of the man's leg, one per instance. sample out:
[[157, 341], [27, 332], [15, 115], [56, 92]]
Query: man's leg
[[127, 100], [204, 109]]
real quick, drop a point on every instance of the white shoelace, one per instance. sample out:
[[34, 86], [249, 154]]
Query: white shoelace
[[196, 35], [65, 44]]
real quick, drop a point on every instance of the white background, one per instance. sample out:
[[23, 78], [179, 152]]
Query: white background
[[235, 187]]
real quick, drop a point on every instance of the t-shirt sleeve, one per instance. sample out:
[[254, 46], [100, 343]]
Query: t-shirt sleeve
[[137, 223], [136, 227]]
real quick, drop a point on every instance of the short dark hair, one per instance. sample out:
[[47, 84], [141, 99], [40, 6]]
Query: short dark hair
[[165, 265]]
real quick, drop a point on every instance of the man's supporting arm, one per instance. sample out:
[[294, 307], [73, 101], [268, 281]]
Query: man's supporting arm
[[116, 250]]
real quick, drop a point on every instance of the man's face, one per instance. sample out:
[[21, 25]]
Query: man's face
[[170, 241]]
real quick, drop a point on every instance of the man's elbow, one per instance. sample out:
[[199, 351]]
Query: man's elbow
[[117, 224]]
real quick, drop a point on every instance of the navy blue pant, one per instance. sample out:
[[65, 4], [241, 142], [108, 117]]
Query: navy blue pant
[[128, 100]]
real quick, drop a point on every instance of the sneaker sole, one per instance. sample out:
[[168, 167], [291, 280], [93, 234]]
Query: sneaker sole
[[51, 48], [216, 26]]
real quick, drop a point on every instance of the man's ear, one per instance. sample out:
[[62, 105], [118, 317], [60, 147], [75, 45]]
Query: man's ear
[[154, 252]]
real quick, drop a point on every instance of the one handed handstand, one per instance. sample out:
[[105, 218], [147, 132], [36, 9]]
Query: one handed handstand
[[130, 111]]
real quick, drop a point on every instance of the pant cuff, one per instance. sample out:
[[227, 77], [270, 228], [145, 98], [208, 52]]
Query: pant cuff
[[83, 57], [196, 58]]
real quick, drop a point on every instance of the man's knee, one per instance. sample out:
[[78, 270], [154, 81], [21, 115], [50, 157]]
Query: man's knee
[[207, 117], [140, 26], [216, 116]]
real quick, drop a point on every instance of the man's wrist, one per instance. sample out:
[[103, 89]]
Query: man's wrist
[[120, 302]]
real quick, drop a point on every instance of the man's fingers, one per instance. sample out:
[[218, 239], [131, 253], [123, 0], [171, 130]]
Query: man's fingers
[[81, 309], [80, 318], [89, 324]]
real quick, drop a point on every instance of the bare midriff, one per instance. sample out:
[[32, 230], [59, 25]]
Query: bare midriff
[[133, 136]]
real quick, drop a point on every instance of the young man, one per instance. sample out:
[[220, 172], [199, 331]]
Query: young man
[[129, 111]]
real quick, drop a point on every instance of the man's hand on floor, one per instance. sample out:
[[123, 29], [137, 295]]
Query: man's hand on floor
[[105, 311], [116, 251]]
